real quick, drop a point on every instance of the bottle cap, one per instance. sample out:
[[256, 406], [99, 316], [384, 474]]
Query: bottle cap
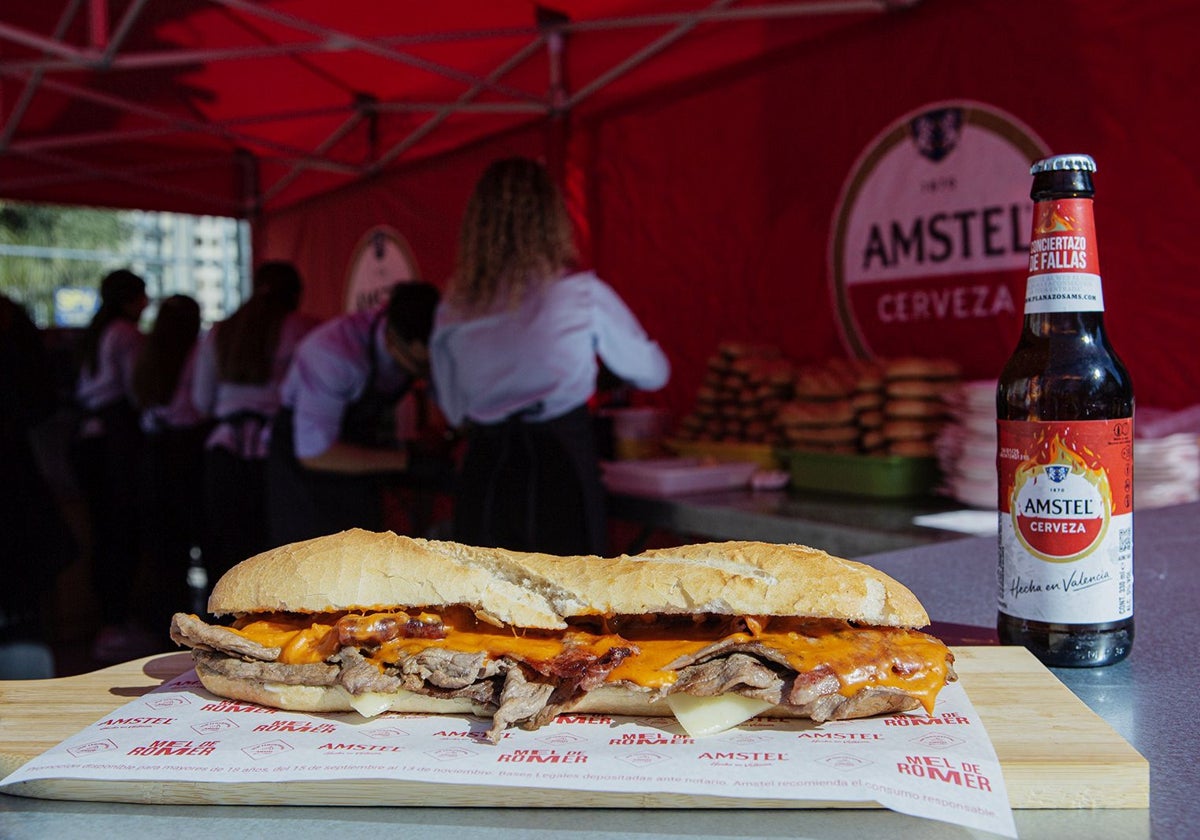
[[1058, 163]]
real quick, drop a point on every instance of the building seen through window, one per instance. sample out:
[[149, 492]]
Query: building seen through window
[[52, 259]]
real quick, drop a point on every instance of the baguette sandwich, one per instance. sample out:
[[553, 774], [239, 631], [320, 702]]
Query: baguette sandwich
[[713, 633]]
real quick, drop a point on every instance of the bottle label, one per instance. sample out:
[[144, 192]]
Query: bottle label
[[1066, 520], [1064, 270]]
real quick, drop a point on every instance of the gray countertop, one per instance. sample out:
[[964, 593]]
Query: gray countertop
[[848, 526], [1141, 698]]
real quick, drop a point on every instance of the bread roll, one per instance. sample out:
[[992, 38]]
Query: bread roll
[[362, 570], [915, 367]]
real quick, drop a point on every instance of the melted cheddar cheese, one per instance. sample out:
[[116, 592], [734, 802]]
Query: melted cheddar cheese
[[860, 657]]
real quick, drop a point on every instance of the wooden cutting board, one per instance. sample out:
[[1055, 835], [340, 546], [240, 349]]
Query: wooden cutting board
[[1056, 752]]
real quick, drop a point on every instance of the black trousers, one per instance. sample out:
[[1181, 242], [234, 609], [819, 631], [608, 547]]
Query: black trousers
[[173, 510], [304, 503], [531, 486], [107, 467], [235, 510]]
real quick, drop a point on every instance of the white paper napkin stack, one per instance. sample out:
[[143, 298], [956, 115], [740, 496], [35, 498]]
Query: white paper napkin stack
[[1166, 451], [1166, 471], [966, 446]]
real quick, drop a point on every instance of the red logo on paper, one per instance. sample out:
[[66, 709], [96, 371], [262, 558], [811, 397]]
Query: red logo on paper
[[744, 757], [176, 748], [358, 748], [947, 718], [940, 769], [543, 756], [641, 739], [136, 722], [296, 726], [232, 706]]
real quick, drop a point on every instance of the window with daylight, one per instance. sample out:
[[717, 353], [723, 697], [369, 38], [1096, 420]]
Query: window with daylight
[[52, 258]]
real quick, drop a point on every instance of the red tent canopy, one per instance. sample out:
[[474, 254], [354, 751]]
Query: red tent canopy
[[234, 107]]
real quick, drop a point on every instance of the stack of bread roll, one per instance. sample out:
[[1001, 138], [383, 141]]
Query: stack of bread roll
[[914, 405], [831, 401], [753, 394], [743, 389]]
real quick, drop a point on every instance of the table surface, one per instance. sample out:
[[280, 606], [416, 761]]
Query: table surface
[[955, 579], [848, 526]]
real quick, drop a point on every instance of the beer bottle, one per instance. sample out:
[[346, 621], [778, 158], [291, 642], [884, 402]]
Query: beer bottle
[[1064, 407]]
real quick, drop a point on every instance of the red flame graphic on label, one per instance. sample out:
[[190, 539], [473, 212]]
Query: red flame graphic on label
[[1061, 502]]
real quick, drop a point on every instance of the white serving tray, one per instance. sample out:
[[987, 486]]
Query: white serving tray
[[675, 476]]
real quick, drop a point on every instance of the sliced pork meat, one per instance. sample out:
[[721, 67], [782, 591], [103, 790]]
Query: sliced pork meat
[[359, 676], [449, 669], [808, 687], [869, 701], [528, 694], [727, 646], [196, 634], [321, 673], [520, 700], [738, 672]]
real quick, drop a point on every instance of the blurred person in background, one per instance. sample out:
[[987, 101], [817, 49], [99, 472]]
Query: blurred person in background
[[174, 445], [106, 456], [514, 357], [239, 368], [335, 437], [37, 543]]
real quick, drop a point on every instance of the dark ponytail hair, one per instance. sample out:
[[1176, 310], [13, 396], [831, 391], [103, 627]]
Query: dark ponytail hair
[[246, 340], [161, 361], [117, 290]]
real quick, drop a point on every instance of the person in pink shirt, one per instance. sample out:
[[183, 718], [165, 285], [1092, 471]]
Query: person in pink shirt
[[239, 368], [174, 434], [106, 455], [334, 445]]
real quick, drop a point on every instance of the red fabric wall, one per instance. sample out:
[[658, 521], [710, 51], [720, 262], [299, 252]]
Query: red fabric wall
[[709, 207], [712, 208]]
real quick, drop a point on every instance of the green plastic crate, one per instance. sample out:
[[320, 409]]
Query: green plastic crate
[[880, 476]]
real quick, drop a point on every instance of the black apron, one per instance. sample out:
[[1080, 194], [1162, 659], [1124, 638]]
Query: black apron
[[106, 453], [235, 496], [172, 504], [532, 486], [304, 503]]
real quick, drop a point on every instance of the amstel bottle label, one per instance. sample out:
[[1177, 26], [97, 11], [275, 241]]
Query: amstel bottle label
[[1064, 269], [1066, 520]]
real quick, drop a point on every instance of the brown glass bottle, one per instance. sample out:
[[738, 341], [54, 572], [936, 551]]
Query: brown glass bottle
[[1065, 410]]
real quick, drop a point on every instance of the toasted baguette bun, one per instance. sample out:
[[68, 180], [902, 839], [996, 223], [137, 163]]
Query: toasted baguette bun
[[361, 570]]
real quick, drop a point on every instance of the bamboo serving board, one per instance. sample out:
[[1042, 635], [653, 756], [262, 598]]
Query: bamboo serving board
[[1056, 752]]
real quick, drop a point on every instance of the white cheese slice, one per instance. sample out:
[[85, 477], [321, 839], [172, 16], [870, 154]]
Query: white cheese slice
[[702, 716], [371, 703]]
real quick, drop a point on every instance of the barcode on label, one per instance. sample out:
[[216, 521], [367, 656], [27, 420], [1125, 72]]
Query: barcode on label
[[1125, 542]]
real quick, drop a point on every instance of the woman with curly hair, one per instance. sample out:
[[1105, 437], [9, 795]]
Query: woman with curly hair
[[515, 353]]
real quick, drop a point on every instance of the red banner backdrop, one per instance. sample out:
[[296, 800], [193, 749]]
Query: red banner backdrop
[[713, 206]]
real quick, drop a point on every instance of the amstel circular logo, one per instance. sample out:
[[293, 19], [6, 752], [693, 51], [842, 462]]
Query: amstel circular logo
[[930, 238], [381, 259], [1061, 504]]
